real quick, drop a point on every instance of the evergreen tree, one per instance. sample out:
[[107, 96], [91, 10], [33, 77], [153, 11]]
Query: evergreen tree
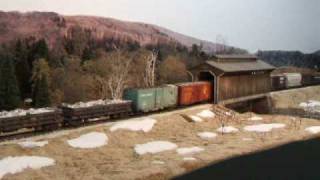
[[23, 69], [40, 78], [37, 50], [41, 94], [41, 49], [87, 55], [9, 91]]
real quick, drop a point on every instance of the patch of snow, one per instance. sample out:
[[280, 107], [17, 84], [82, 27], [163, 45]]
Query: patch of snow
[[311, 105], [189, 159], [303, 104], [22, 112], [314, 103], [247, 139], [93, 103], [206, 114], [33, 144], [12, 165], [189, 151], [158, 162], [227, 129], [263, 127], [313, 129], [196, 118], [207, 135], [255, 118], [144, 125], [90, 140], [154, 147]]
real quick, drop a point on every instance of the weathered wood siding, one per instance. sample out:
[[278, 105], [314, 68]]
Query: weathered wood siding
[[234, 86]]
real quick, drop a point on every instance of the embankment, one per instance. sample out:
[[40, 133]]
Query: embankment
[[288, 101]]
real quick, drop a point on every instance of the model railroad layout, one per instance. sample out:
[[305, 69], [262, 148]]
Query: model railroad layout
[[136, 101]]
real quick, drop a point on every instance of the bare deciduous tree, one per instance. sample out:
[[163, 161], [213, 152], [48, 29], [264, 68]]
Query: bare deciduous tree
[[149, 78], [119, 70]]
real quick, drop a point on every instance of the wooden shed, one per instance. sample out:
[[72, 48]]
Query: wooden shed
[[235, 76]]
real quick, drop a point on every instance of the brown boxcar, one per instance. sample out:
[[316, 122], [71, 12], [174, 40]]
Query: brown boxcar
[[194, 92], [278, 82], [307, 79]]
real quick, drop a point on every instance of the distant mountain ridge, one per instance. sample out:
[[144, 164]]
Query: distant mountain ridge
[[52, 27], [291, 58]]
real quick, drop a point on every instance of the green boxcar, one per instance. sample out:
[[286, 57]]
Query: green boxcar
[[152, 99]]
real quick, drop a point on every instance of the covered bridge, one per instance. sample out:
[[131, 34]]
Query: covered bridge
[[235, 76]]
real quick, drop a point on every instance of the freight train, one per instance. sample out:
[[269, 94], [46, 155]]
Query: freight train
[[293, 80], [136, 101]]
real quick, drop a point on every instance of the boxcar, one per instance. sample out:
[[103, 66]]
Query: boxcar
[[293, 79], [194, 92], [278, 82], [43, 121], [307, 79], [76, 116], [152, 99], [316, 80]]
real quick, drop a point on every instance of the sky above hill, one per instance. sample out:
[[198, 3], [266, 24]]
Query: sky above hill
[[249, 24]]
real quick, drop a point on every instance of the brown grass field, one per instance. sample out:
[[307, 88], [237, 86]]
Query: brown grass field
[[117, 160]]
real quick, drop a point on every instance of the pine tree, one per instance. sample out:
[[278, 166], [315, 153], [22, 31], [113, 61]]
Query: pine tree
[[41, 49], [23, 69], [40, 78], [41, 93], [9, 91]]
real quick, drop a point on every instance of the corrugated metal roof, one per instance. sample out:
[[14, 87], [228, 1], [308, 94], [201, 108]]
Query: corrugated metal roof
[[237, 66]]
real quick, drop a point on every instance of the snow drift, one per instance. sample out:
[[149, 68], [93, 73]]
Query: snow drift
[[12, 165], [207, 135], [206, 114], [90, 140], [227, 129], [195, 118], [154, 147], [144, 125], [313, 129], [263, 127], [33, 144]]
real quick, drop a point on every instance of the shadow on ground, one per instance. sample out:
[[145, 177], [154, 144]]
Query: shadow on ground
[[299, 160]]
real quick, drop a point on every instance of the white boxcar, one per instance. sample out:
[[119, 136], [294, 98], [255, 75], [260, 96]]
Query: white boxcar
[[293, 79]]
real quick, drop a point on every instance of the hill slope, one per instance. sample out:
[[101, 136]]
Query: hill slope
[[53, 27]]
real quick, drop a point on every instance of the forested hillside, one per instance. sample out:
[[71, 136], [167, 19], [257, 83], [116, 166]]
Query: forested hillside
[[291, 58], [50, 59]]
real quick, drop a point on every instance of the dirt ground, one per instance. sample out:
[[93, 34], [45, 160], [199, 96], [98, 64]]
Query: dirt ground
[[117, 160]]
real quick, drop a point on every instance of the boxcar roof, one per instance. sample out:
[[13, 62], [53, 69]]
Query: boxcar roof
[[240, 66]]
